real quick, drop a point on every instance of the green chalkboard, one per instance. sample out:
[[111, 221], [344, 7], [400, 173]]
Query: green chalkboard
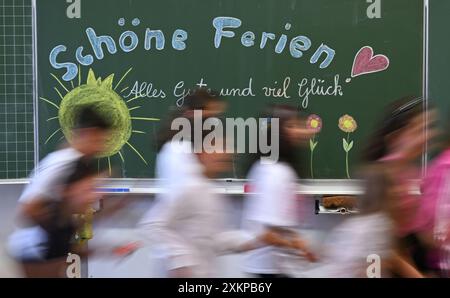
[[346, 62], [16, 89], [439, 60]]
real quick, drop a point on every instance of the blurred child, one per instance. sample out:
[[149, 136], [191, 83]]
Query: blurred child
[[353, 247], [89, 138], [397, 145], [176, 164], [187, 222], [175, 160], [432, 223], [47, 234], [271, 212], [49, 180], [383, 228]]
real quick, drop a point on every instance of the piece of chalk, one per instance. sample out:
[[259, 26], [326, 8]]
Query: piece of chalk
[[247, 188], [113, 190]]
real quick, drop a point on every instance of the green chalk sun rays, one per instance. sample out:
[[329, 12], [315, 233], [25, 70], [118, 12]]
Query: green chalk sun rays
[[100, 94]]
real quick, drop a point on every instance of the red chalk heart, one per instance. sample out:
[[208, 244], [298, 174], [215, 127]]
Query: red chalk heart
[[365, 62]]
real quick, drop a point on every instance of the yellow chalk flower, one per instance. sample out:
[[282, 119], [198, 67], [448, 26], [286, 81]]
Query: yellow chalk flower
[[347, 123]]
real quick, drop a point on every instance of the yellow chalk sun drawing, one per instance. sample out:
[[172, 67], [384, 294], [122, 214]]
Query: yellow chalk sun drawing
[[107, 102]]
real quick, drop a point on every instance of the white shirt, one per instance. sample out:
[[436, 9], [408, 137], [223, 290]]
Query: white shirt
[[176, 163], [46, 182], [349, 245], [274, 203], [186, 227], [47, 178]]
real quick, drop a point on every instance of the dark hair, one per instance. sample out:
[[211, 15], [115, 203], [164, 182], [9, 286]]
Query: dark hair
[[196, 101], [200, 99], [377, 183], [88, 117], [82, 168], [288, 152], [396, 116]]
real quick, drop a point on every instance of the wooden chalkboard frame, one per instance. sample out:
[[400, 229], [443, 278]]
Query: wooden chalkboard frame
[[233, 185]]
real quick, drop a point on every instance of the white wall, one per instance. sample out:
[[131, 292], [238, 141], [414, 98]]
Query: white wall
[[8, 200]]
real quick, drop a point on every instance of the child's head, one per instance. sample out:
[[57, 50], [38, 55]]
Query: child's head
[[291, 132], [401, 133], [211, 153], [91, 131], [79, 188], [214, 163], [209, 102], [292, 125]]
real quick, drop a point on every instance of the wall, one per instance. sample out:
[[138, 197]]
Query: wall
[[9, 196]]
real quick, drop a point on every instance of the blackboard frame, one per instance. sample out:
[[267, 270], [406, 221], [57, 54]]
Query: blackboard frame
[[35, 90], [351, 185], [426, 13]]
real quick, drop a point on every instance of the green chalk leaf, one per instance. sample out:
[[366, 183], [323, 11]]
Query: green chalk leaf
[[350, 146], [345, 144]]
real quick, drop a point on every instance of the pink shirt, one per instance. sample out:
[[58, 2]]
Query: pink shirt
[[433, 186]]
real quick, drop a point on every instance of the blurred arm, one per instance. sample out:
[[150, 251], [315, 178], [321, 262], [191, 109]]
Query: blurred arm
[[36, 211], [442, 225], [398, 264], [274, 208], [157, 227]]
